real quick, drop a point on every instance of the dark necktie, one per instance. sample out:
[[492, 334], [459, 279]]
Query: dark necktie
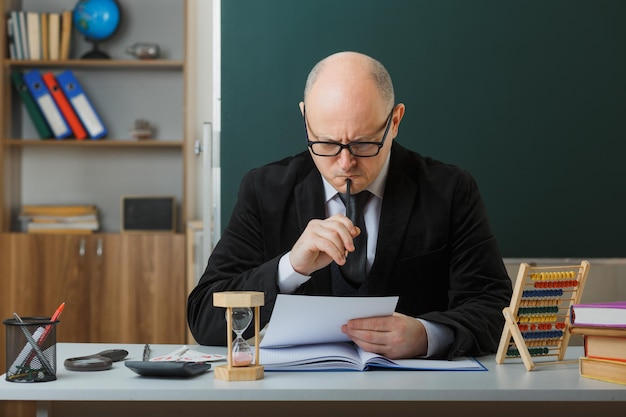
[[354, 270]]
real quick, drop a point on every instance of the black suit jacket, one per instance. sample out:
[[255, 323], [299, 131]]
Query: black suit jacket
[[435, 248]]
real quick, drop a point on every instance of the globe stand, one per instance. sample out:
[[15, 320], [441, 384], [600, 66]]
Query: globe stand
[[95, 53], [97, 21]]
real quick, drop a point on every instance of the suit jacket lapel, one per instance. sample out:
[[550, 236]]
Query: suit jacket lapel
[[398, 202], [310, 199]]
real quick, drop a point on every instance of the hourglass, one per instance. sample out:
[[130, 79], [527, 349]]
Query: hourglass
[[242, 363], [241, 317]]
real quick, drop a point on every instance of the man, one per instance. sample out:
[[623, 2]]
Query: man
[[428, 238]]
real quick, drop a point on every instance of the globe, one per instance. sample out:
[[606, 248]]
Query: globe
[[97, 21]]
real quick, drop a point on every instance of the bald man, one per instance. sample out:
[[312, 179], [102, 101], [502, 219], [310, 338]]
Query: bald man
[[426, 235]]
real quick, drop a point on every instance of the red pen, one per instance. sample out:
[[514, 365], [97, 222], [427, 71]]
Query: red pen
[[47, 331], [55, 317]]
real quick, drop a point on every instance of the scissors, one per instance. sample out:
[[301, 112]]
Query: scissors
[[99, 362]]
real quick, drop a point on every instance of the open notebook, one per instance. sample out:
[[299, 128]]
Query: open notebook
[[304, 333], [349, 357]]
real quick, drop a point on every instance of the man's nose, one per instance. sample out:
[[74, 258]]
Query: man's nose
[[346, 159]]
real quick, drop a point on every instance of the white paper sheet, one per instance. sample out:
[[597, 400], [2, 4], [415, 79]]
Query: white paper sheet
[[306, 319]]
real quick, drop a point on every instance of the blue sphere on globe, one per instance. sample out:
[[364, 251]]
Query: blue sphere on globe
[[96, 20]]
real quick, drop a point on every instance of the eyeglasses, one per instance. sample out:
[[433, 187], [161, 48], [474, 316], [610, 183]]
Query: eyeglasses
[[360, 149]]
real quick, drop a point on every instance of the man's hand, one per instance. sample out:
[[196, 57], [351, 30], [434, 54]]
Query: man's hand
[[396, 337], [322, 242]]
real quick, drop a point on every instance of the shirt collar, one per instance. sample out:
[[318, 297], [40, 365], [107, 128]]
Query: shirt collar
[[377, 187]]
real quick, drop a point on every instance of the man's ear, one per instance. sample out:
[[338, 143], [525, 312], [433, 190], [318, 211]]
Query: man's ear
[[399, 114], [301, 105]]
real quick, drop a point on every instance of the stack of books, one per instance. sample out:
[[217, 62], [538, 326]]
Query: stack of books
[[59, 218], [603, 327], [39, 36]]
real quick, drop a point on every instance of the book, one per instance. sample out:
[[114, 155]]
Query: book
[[41, 125], [17, 37], [46, 103], [23, 34], [11, 38], [66, 33], [59, 219], [81, 104], [34, 35], [42, 223], [598, 330], [345, 356], [304, 333], [603, 369], [610, 314], [58, 210], [64, 106], [64, 231], [605, 347], [54, 35], [43, 34], [56, 226]]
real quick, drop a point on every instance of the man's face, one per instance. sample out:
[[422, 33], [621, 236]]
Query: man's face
[[357, 124]]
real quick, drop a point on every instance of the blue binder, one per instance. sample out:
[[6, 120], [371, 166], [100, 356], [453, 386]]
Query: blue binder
[[82, 105], [46, 103]]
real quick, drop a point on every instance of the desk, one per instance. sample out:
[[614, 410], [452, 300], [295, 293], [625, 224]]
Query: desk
[[506, 388]]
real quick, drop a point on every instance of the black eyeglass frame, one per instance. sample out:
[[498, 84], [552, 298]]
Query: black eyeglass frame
[[348, 146]]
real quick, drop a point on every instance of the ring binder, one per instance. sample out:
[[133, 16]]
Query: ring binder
[[46, 103], [82, 105]]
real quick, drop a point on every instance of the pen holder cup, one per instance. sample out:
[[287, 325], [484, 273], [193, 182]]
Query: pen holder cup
[[31, 349]]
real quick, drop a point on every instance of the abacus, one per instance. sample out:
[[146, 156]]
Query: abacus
[[536, 323]]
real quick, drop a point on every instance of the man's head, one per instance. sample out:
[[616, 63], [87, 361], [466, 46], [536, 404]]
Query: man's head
[[349, 98]]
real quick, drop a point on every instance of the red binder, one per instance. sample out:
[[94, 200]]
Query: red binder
[[64, 105]]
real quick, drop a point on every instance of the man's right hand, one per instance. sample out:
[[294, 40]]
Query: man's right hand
[[322, 242]]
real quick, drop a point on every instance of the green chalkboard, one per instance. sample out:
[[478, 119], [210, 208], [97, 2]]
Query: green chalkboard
[[529, 96]]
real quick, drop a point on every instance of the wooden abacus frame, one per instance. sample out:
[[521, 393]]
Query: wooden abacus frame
[[536, 323]]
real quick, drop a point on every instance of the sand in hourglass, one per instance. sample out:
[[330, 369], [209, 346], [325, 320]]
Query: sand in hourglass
[[242, 358]]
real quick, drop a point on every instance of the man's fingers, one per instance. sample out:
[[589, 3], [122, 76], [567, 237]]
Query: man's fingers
[[322, 242]]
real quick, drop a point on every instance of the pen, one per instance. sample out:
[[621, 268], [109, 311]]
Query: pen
[[46, 332], [35, 346], [348, 197], [57, 313], [146, 352], [348, 204]]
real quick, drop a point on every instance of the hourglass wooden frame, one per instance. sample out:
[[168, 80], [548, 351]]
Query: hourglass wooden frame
[[237, 299]]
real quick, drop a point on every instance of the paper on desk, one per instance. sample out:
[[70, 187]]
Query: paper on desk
[[184, 354], [306, 319]]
